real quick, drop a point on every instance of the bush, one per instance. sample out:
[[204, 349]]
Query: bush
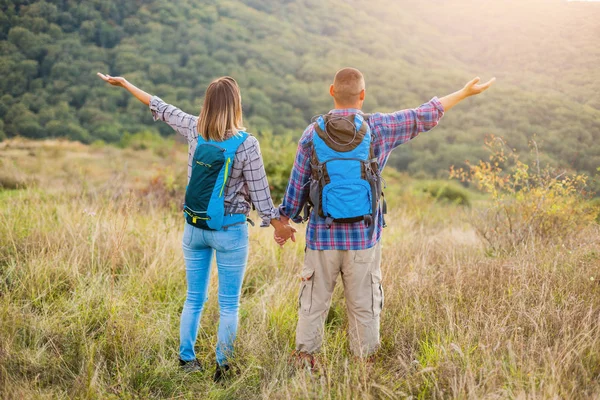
[[166, 188], [528, 204], [445, 191], [10, 182], [146, 140], [278, 154], [98, 144], [12, 179], [595, 203]]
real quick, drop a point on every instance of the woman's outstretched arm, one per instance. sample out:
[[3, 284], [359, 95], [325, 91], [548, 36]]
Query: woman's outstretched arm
[[120, 81], [182, 122]]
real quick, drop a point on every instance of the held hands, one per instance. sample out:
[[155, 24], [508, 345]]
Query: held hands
[[284, 231], [113, 80], [474, 87]]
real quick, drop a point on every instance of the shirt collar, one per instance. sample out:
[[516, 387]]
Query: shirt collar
[[345, 111]]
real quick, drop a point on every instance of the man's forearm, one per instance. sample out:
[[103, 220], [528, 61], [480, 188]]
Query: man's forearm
[[138, 93], [453, 99], [472, 88]]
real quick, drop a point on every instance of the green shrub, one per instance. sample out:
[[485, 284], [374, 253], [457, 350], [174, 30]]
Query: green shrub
[[278, 154], [146, 140], [444, 191], [595, 204], [98, 144]]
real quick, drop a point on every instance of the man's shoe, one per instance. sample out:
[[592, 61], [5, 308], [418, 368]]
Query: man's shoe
[[302, 359], [220, 372], [190, 366]]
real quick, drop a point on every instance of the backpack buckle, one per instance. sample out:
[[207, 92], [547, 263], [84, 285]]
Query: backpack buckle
[[320, 174], [328, 222], [307, 210]]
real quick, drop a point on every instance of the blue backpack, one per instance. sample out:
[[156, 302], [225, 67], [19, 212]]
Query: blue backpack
[[204, 205], [345, 183]]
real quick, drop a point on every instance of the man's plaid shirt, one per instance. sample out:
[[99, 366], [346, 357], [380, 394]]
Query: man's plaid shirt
[[248, 181], [389, 131]]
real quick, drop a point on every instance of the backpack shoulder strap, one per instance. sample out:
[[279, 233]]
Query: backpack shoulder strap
[[309, 142], [200, 139], [233, 143], [319, 124]]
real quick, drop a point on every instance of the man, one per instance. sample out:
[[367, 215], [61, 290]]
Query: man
[[350, 248]]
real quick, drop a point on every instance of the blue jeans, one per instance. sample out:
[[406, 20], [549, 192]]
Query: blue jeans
[[231, 246]]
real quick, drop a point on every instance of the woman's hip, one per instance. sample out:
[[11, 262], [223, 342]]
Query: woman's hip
[[232, 238]]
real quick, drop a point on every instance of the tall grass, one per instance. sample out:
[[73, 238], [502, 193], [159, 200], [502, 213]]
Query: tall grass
[[92, 283]]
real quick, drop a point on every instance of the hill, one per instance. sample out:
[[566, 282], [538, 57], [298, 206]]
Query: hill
[[284, 55]]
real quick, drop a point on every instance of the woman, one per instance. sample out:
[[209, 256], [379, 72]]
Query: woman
[[220, 123]]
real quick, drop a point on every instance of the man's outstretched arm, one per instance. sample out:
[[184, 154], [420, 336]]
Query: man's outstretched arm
[[297, 189], [472, 88], [401, 126]]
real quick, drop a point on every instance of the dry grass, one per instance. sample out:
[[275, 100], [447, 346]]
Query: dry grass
[[92, 284]]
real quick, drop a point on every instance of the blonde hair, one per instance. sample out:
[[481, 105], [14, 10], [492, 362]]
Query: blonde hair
[[347, 86], [221, 112]]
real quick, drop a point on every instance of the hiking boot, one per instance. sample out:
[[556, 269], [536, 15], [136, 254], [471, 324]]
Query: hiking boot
[[220, 372], [190, 366], [302, 359]]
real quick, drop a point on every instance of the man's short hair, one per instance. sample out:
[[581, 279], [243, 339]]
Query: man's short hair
[[347, 85]]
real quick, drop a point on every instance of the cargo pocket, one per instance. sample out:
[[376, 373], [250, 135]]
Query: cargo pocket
[[377, 291], [306, 289]]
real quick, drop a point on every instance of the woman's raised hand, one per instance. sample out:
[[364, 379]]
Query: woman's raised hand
[[122, 82], [113, 80]]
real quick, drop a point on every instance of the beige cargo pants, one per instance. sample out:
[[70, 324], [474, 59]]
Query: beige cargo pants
[[361, 275]]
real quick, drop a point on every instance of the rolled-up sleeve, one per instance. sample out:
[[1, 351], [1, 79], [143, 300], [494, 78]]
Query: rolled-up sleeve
[[401, 126], [182, 122], [297, 190], [258, 184]]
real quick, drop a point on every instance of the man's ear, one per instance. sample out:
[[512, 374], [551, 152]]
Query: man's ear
[[362, 95], [331, 91]]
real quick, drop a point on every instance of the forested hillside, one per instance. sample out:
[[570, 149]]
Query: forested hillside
[[284, 54]]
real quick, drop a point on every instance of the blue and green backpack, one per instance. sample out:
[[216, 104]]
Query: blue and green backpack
[[204, 205]]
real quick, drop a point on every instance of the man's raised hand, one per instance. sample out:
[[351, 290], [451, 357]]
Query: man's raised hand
[[470, 89], [474, 87]]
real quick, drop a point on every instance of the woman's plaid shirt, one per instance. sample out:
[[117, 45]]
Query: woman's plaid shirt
[[389, 131], [247, 183]]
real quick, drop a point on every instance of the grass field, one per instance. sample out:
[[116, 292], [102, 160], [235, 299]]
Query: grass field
[[92, 283]]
